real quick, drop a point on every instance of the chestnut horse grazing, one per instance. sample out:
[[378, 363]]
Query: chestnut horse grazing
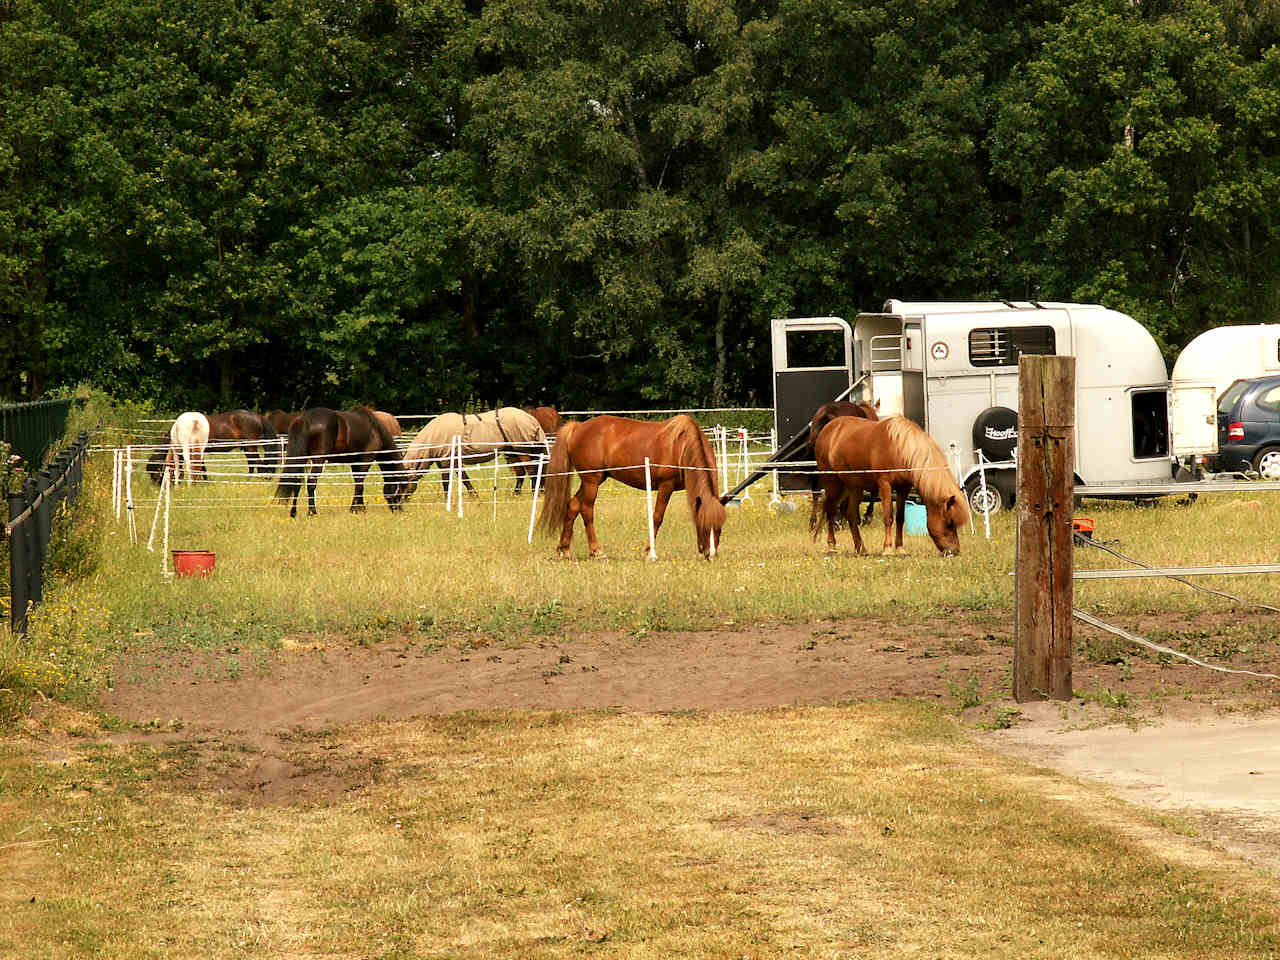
[[680, 458], [249, 432], [891, 456], [356, 437]]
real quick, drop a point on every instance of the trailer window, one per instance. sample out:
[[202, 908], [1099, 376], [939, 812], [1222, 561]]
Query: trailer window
[[1150, 424], [815, 348], [1001, 346]]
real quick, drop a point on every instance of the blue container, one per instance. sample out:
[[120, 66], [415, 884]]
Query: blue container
[[914, 524]]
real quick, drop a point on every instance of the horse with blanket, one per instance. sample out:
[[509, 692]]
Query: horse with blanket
[[508, 431]]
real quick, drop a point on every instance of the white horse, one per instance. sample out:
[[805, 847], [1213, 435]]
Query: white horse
[[189, 434]]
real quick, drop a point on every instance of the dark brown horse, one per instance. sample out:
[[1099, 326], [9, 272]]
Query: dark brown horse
[[549, 420], [357, 437], [280, 420], [680, 459], [249, 432], [892, 456], [824, 415]]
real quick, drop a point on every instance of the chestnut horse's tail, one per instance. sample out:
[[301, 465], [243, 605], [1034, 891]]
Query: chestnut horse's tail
[[555, 495], [701, 479], [294, 467]]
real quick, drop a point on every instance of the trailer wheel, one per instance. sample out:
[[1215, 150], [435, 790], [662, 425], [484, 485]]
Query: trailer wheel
[[1267, 463], [997, 496]]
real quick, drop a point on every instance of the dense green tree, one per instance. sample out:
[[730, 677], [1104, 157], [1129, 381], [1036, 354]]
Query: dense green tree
[[1141, 144], [429, 203]]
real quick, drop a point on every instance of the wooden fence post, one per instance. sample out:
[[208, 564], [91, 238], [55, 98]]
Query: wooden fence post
[[1044, 505]]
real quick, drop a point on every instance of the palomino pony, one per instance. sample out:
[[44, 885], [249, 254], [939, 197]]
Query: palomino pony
[[252, 434], [357, 437], [509, 431], [680, 459], [821, 417], [892, 456], [187, 439]]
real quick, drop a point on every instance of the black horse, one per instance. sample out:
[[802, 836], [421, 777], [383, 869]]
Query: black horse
[[821, 417], [320, 435], [249, 432]]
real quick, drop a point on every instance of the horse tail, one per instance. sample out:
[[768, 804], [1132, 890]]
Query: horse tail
[[186, 455], [294, 451], [701, 479], [555, 494]]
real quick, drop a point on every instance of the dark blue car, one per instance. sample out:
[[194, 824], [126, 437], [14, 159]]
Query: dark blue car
[[1249, 427]]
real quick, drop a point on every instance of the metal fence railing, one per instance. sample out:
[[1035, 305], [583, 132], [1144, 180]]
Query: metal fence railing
[[32, 428], [31, 511]]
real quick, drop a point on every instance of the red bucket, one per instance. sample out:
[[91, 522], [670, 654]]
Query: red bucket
[[1082, 526], [193, 563]]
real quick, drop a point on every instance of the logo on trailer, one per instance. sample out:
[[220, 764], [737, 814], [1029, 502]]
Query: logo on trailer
[[939, 350], [1009, 433]]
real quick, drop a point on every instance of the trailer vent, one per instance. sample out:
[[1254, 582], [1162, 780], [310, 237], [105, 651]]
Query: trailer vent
[[1001, 346]]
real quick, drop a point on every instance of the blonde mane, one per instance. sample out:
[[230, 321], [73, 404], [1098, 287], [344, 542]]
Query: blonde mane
[[924, 459]]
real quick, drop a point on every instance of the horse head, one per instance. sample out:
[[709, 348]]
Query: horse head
[[943, 519], [708, 517]]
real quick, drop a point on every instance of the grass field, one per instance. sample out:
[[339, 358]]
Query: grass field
[[427, 570], [854, 830]]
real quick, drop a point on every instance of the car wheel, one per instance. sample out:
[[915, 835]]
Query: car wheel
[[991, 499], [1267, 463]]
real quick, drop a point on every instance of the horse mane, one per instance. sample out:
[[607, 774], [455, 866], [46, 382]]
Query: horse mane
[[701, 481], [924, 459]]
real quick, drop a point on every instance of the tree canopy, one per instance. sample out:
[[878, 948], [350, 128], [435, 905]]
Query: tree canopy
[[424, 203]]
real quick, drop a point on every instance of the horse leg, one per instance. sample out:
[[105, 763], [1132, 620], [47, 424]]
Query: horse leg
[[660, 502], [831, 490], [358, 471], [900, 519], [886, 507], [587, 507], [313, 475], [853, 503], [572, 510]]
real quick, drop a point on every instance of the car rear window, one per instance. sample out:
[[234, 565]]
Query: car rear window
[[1269, 399], [1231, 395]]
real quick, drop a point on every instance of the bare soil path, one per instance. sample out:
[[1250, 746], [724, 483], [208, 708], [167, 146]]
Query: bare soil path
[[1191, 741]]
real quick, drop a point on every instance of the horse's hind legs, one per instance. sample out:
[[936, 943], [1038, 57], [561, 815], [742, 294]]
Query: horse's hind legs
[[893, 515], [357, 501]]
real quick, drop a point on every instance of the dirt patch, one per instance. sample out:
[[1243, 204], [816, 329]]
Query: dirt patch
[[269, 731]]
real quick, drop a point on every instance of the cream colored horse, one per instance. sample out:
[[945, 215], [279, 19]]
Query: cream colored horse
[[509, 431], [187, 438]]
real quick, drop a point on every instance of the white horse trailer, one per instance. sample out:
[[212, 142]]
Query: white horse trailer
[[1206, 367], [953, 369]]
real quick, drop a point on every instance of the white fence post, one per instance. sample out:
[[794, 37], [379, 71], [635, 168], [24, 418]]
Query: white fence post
[[648, 505], [533, 507]]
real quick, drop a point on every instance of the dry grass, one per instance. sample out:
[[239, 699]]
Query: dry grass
[[868, 831]]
